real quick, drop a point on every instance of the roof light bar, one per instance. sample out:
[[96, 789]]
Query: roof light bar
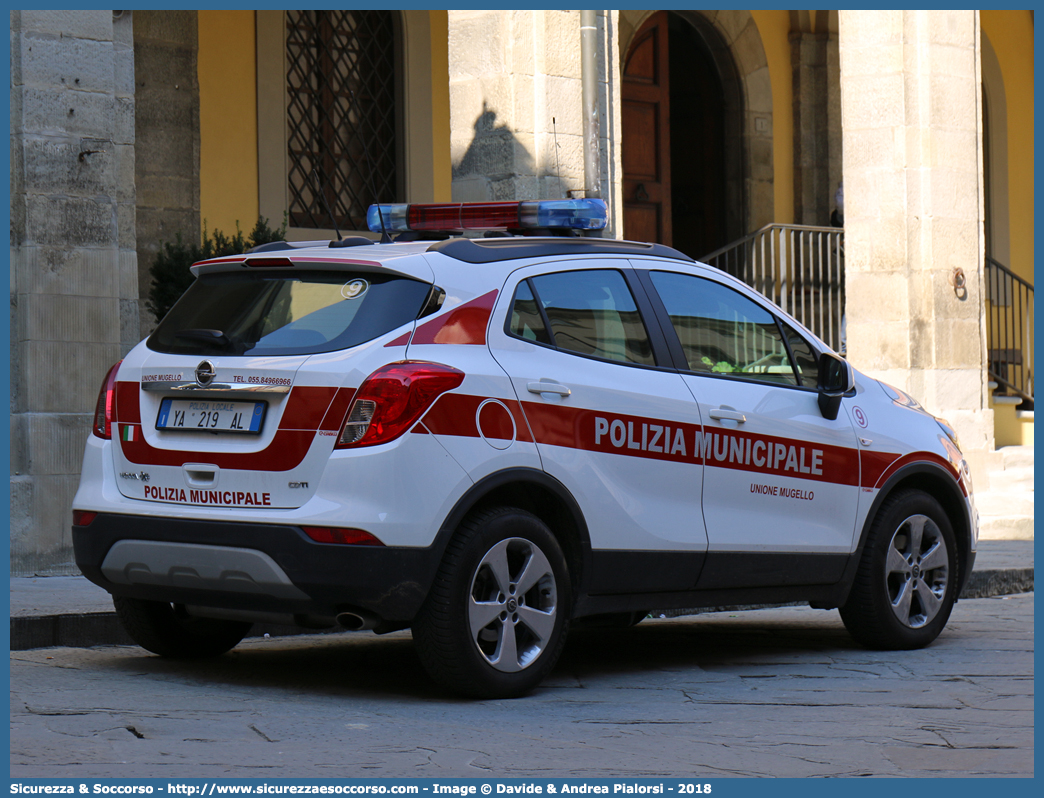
[[574, 214]]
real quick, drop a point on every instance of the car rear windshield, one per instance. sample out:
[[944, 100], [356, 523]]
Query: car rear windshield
[[286, 313]]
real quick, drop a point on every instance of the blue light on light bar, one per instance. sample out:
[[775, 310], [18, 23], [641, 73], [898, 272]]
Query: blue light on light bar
[[394, 218], [574, 214]]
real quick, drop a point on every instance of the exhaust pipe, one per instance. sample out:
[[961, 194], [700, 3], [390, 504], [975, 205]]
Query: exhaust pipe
[[357, 620]]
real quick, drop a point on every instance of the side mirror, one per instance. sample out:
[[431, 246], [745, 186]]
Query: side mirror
[[836, 378]]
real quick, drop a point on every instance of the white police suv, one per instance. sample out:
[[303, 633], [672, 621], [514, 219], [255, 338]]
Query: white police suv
[[486, 439]]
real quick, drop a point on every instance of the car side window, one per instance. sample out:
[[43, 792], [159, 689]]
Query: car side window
[[526, 321], [804, 356], [723, 332], [590, 312]]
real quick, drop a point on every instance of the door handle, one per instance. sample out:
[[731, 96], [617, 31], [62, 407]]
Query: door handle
[[722, 414], [548, 387]]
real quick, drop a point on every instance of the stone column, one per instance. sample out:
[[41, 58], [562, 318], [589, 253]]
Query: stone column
[[911, 121], [74, 281], [166, 126]]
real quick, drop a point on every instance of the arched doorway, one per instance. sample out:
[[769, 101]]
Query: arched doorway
[[675, 154]]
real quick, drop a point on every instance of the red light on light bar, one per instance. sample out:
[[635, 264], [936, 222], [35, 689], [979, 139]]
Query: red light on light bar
[[463, 216], [349, 537], [562, 214]]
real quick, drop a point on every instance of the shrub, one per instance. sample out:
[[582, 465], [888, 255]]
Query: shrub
[[170, 271]]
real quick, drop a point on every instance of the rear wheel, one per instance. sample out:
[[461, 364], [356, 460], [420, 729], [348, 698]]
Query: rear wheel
[[169, 631], [907, 580], [496, 620]]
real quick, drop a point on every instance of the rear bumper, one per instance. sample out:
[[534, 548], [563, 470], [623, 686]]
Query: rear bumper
[[269, 568]]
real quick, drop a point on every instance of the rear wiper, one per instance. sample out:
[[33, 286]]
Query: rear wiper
[[213, 337]]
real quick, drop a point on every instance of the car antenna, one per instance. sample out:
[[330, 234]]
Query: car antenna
[[558, 166], [385, 238], [322, 196]]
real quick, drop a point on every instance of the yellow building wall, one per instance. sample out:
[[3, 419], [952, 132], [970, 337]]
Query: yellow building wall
[[1011, 34], [228, 121], [1011, 427], [774, 27]]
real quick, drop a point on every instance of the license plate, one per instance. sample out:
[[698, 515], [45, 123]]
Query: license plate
[[194, 415]]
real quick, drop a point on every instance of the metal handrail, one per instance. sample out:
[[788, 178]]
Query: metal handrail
[[1010, 329], [799, 267]]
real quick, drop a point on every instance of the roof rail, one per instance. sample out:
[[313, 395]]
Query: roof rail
[[491, 250]]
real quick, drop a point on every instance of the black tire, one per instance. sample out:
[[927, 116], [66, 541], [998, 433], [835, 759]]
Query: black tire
[[905, 587], [170, 632], [528, 624]]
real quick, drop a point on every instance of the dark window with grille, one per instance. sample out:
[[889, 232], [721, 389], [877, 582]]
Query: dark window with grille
[[341, 114]]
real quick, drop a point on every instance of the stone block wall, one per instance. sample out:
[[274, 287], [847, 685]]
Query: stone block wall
[[74, 277], [516, 105]]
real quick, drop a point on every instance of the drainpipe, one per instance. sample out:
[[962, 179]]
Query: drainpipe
[[589, 80]]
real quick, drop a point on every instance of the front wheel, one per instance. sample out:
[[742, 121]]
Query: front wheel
[[169, 631], [496, 618], [907, 580]]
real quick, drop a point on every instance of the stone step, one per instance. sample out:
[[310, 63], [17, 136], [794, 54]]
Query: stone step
[[996, 504], [1016, 456], [1006, 509], [1012, 480], [1006, 528]]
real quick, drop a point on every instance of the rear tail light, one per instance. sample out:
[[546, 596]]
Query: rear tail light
[[391, 400], [105, 411], [348, 537], [83, 517]]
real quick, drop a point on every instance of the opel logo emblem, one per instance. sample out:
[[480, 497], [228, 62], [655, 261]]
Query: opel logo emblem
[[205, 374]]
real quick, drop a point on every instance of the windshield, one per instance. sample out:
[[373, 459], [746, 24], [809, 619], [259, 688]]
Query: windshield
[[286, 312]]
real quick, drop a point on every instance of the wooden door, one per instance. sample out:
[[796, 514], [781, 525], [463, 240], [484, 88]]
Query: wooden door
[[647, 135]]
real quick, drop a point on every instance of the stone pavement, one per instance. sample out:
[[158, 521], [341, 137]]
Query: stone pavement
[[775, 692], [70, 611]]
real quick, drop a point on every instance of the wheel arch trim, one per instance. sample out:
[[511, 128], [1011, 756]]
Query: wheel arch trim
[[955, 503], [523, 477]]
